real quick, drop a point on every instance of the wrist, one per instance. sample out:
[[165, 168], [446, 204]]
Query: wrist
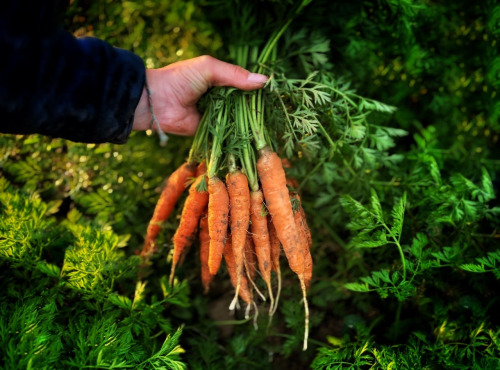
[[142, 115]]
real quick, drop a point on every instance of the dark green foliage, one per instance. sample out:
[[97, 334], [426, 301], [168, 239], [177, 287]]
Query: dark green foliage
[[65, 314], [403, 204]]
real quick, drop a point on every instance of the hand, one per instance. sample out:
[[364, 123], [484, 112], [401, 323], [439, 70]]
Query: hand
[[176, 88]]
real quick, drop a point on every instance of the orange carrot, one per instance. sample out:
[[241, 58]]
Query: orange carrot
[[201, 169], [218, 214], [251, 264], [196, 202], [304, 224], [273, 180], [244, 291], [260, 237], [290, 181], [308, 262], [275, 247], [206, 277], [239, 210], [250, 257], [299, 222], [175, 186]]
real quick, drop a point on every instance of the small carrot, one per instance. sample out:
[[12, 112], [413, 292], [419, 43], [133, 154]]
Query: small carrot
[[273, 179], [251, 264], [239, 210], [244, 291], [201, 169], [260, 236], [175, 186], [250, 257], [206, 277], [218, 214], [196, 202], [301, 227], [290, 181], [275, 247], [305, 225], [308, 262]]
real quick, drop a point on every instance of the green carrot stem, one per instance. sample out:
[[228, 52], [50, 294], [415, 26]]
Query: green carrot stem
[[271, 44], [255, 122], [242, 126], [200, 138], [217, 142]]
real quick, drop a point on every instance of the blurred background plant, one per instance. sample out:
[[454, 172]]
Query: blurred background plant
[[404, 212]]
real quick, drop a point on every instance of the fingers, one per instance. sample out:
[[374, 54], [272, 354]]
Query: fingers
[[219, 73]]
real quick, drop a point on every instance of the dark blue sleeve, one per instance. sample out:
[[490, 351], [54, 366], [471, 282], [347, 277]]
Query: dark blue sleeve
[[54, 84]]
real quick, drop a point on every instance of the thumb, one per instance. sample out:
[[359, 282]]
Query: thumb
[[219, 73]]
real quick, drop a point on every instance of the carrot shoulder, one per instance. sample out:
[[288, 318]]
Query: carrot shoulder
[[218, 215]]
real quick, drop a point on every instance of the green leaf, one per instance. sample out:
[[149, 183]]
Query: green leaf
[[397, 214], [446, 255], [376, 206], [168, 357], [53, 206], [120, 301], [419, 242], [48, 269], [357, 287], [123, 240], [357, 132], [376, 239], [470, 267]]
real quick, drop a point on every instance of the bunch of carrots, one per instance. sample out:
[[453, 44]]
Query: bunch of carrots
[[238, 200], [248, 218]]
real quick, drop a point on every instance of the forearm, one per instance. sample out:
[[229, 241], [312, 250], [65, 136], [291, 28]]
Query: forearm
[[54, 84]]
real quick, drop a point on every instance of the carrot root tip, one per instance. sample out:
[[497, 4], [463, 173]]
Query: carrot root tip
[[255, 325], [234, 302], [306, 313], [247, 312], [172, 275], [278, 293]]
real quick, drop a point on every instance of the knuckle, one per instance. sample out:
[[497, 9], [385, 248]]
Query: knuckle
[[206, 59], [236, 71], [206, 64]]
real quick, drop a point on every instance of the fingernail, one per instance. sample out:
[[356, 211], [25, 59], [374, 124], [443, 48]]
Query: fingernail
[[257, 78]]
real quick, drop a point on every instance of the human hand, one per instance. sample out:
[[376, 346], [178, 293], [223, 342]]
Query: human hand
[[176, 88]]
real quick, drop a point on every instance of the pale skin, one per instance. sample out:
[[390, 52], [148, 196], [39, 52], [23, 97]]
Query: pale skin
[[176, 88]]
